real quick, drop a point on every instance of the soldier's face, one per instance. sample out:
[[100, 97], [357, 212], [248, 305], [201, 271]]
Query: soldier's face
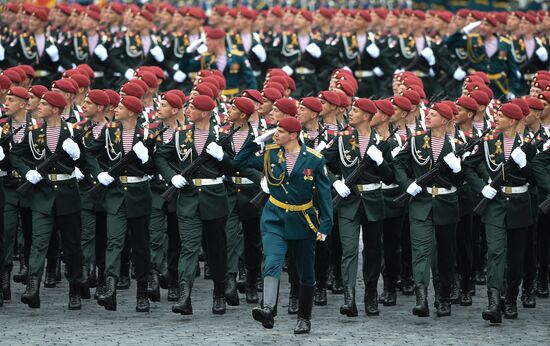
[[391, 21], [378, 119], [357, 116], [9, 17], [89, 108], [60, 19], [265, 108], [434, 120], [88, 23], [512, 22], [45, 110], [165, 17], [282, 136], [526, 28], [196, 114], [33, 103], [300, 22], [305, 114], [463, 115], [276, 114], [190, 23], [178, 20], [503, 122], [533, 117], [486, 29], [338, 20], [35, 23], [14, 104], [534, 91], [141, 23], [228, 21], [546, 111], [288, 19], [165, 111]]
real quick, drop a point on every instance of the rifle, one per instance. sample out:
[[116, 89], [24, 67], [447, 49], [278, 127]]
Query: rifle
[[425, 178], [123, 164], [188, 171], [6, 139], [261, 197], [365, 164], [51, 161], [498, 180]]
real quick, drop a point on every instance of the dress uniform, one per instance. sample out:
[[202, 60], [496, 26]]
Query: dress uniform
[[127, 201], [289, 220], [55, 202]]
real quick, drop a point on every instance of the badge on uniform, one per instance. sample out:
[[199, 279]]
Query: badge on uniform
[[308, 174], [498, 147], [117, 136]]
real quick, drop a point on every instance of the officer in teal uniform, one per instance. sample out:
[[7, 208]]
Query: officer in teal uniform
[[289, 219]]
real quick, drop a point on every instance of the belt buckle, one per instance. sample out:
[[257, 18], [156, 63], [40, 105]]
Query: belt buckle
[[124, 179], [53, 177], [435, 191], [360, 188], [198, 182], [508, 190], [238, 180]]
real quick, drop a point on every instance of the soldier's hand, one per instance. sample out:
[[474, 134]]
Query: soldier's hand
[[321, 146], [375, 154], [341, 188], [105, 179], [129, 74], [510, 96], [78, 174], [489, 192], [2, 52], [179, 181], [321, 236], [459, 74], [33, 177], [179, 76], [71, 148], [213, 149], [157, 53], [428, 54], [193, 46], [314, 50], [453, 162], [373, 50], [542, 53], [2, 155], [519, 157], [288, 70], [471, 27], [53, 52], [141, 152], [101, 52], [414, 189], [265, 136], [264, 185], [378, 72], [260, 52]]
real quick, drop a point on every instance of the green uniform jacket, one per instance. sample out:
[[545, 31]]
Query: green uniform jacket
[[418, 156], [157, 182], [51, 198]]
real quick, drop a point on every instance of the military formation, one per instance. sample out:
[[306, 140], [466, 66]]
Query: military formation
[[138, 142]]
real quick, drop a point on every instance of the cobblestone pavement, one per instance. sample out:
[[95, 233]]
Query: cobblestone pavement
[[53, 324]]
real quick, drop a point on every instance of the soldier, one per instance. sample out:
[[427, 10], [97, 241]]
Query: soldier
[[55, 201], [289, 219], [128, 201]]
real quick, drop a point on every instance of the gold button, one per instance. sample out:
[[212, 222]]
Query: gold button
[[55, 186], [286, 210], [125, 188], [200, 190], [287, 182], [507, 198], [237, 173], [238, 190]]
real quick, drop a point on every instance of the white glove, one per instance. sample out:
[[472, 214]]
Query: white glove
[[264, 185], [373, 50], [395, 151], [176, 67], [431, 72], [378, 71], [398, 70], [2, 52], [542, 53], [347, 68], [193, 46], [78, 174], [375, 154], [157, 53], [129, 74], [2, 155], [101, 52], [33, 177], [414, 189], [489, 192], [71, 148], [519, 157], [321, 236], [453, 162], [202, 49], [510, 96], [428, 54], [459, 74], [288, 70], [53, 52], [179, 76], [213, 149], [314, 50], [141, 152], [105, 179], [60, 69], [341, 188], [265, 136], [179, 181], [260, 52], [321, 146], [471, 27]]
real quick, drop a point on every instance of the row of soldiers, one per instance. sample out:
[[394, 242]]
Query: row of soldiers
[[438, 46], [106, 172]]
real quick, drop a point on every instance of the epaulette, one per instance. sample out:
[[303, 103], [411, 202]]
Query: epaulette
[[184, 127], [36, 126], [505, 40], [418, 133], [152, 126], [225, 129], [344, 133], [490, 137], [112, 125], [79, 125], [237, 52], [3, 120], [314, 152], [475, 35], [272, 146]]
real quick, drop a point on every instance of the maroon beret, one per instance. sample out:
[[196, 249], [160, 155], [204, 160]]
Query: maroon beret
[[82, 80], [55, 99], [420, 90], [444, 110], [38, 90], [132, 103], [330, 96], [274, 85], [132, 89], [215, 33], [173, 99], [487, 90], [167, 7], [325, 12], [312, 103], [412, 95], [511, 110], [147, 15], [522, 104], [347, 87], [287, 106], [344, 101], [99, 97], [5, 82], [534, 103], [149, 78], [244, 104], [467, 102], [203, 103], [402, 102], [92, 14], [272, 94], [385, 106], [65, 85], [480, 97], [21, 92], [86, 70], [196, 12], [40, 13], [451, 105], [291, 83], [204, 89], [365, 105], [279, 79], [116, 7], [13, 75], [248, 13], [290, 124], [545, 95], [254, 95], [307, 15], [114, 97], [29, 70], [221, 9], [178, 93], [277, 11]]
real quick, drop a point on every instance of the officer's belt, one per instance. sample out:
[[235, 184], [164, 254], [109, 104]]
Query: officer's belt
[[206, 181], [290, 207], [364, 74], [132, 180], [60, 177], [514, 189], [304, 70], [369, 187], [242, 180], [257, 73], [230, 92], [436, 191], [41, 73], [99, 74], [389, 187]]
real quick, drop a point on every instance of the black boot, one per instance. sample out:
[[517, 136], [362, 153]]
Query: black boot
[[31, 297], [92, 279], [444, 308], [293, 299], [163, 276], [492, 312], [337, 286], [21, 276], [529, 300], [85, 284], [480, 278], [207, 275], [371, 301], [49, 280], [231, 295], [100, 289], [153, 287], [421, 309], [391, 294], [108, 300], [465, 298], [74, 297], [408, 287], [58, 270], [183, 306], [173, 289], [510, 304], [251, 290], [320, 294], [303, 325], [218, 305], [435, 283], [241, 282], [455, 291], [265, 313], [124, 281], [142, 299], [6, 285], [349, 308], [542, 286]]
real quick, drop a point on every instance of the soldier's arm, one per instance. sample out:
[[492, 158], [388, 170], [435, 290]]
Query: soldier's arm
[[457, 40], [514, 75], [402, 162], [475, 171], [332, 157], [385, 170], [165, 154], [539, 166], [247, 156], [17, 154], [323, 186], [247, 75], [93, 151]]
